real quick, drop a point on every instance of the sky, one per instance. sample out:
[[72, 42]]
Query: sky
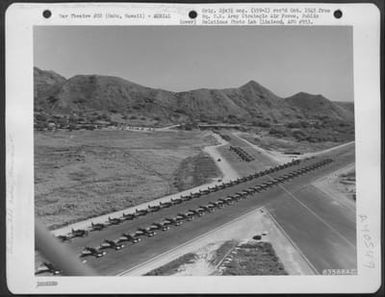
[[286, 60]]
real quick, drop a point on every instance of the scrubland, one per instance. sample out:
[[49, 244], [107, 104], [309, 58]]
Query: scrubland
[[81, 174]]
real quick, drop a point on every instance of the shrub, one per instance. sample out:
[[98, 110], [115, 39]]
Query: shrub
[[278, 131], [264, 124], [79, 101], [294, 125], [52, 99], [41, 117], [300, 135]]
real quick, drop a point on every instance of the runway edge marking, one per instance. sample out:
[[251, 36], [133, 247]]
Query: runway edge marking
[[292, 242], [316, 215]]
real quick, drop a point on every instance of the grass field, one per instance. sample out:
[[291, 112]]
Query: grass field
[[81, 174], [251, 258], [222, 251], [257, 258]]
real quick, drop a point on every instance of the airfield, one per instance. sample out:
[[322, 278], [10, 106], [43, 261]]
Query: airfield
[[323, 230]]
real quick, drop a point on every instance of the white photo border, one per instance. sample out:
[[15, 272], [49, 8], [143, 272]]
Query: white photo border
[[20, 20]]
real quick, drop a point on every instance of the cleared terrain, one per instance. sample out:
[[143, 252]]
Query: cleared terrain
[[81, 174], [328, 241]]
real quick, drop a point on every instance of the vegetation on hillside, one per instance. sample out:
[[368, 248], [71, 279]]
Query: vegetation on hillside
[[315, 131], [82, 98]]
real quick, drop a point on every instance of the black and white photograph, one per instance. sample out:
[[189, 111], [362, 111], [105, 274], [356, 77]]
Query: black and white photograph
[[196, 151], [193, 148]]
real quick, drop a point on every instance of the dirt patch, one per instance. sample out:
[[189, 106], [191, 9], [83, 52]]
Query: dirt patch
[[172, 267], [221, 252], [254, 258], [226, 258], [227, 171], [242, 168], [274, 157], [346, 183], [203, 263], [194, 171], [82, 174], [340, 185]]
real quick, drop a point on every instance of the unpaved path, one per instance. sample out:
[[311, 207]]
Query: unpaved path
[[276, 157], [225, 167], [281, 158], [328, 150], [167, 128]]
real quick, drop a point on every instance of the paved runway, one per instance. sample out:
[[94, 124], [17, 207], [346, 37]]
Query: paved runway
[[311, 219], [320, 226], [325, 234]]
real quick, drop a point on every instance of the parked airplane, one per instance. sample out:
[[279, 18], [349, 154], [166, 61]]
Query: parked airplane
[[110, 244], [97, 226], [114, 221], [128, 237]]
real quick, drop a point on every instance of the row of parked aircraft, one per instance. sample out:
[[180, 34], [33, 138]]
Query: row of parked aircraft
[[245, 156], [180, 218], [153, 208]]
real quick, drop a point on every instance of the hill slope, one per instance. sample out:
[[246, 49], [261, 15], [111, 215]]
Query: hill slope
[[313, 106], [107, 94], [46, 84]]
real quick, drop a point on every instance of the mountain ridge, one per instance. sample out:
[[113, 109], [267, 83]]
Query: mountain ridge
[[111, 94]]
